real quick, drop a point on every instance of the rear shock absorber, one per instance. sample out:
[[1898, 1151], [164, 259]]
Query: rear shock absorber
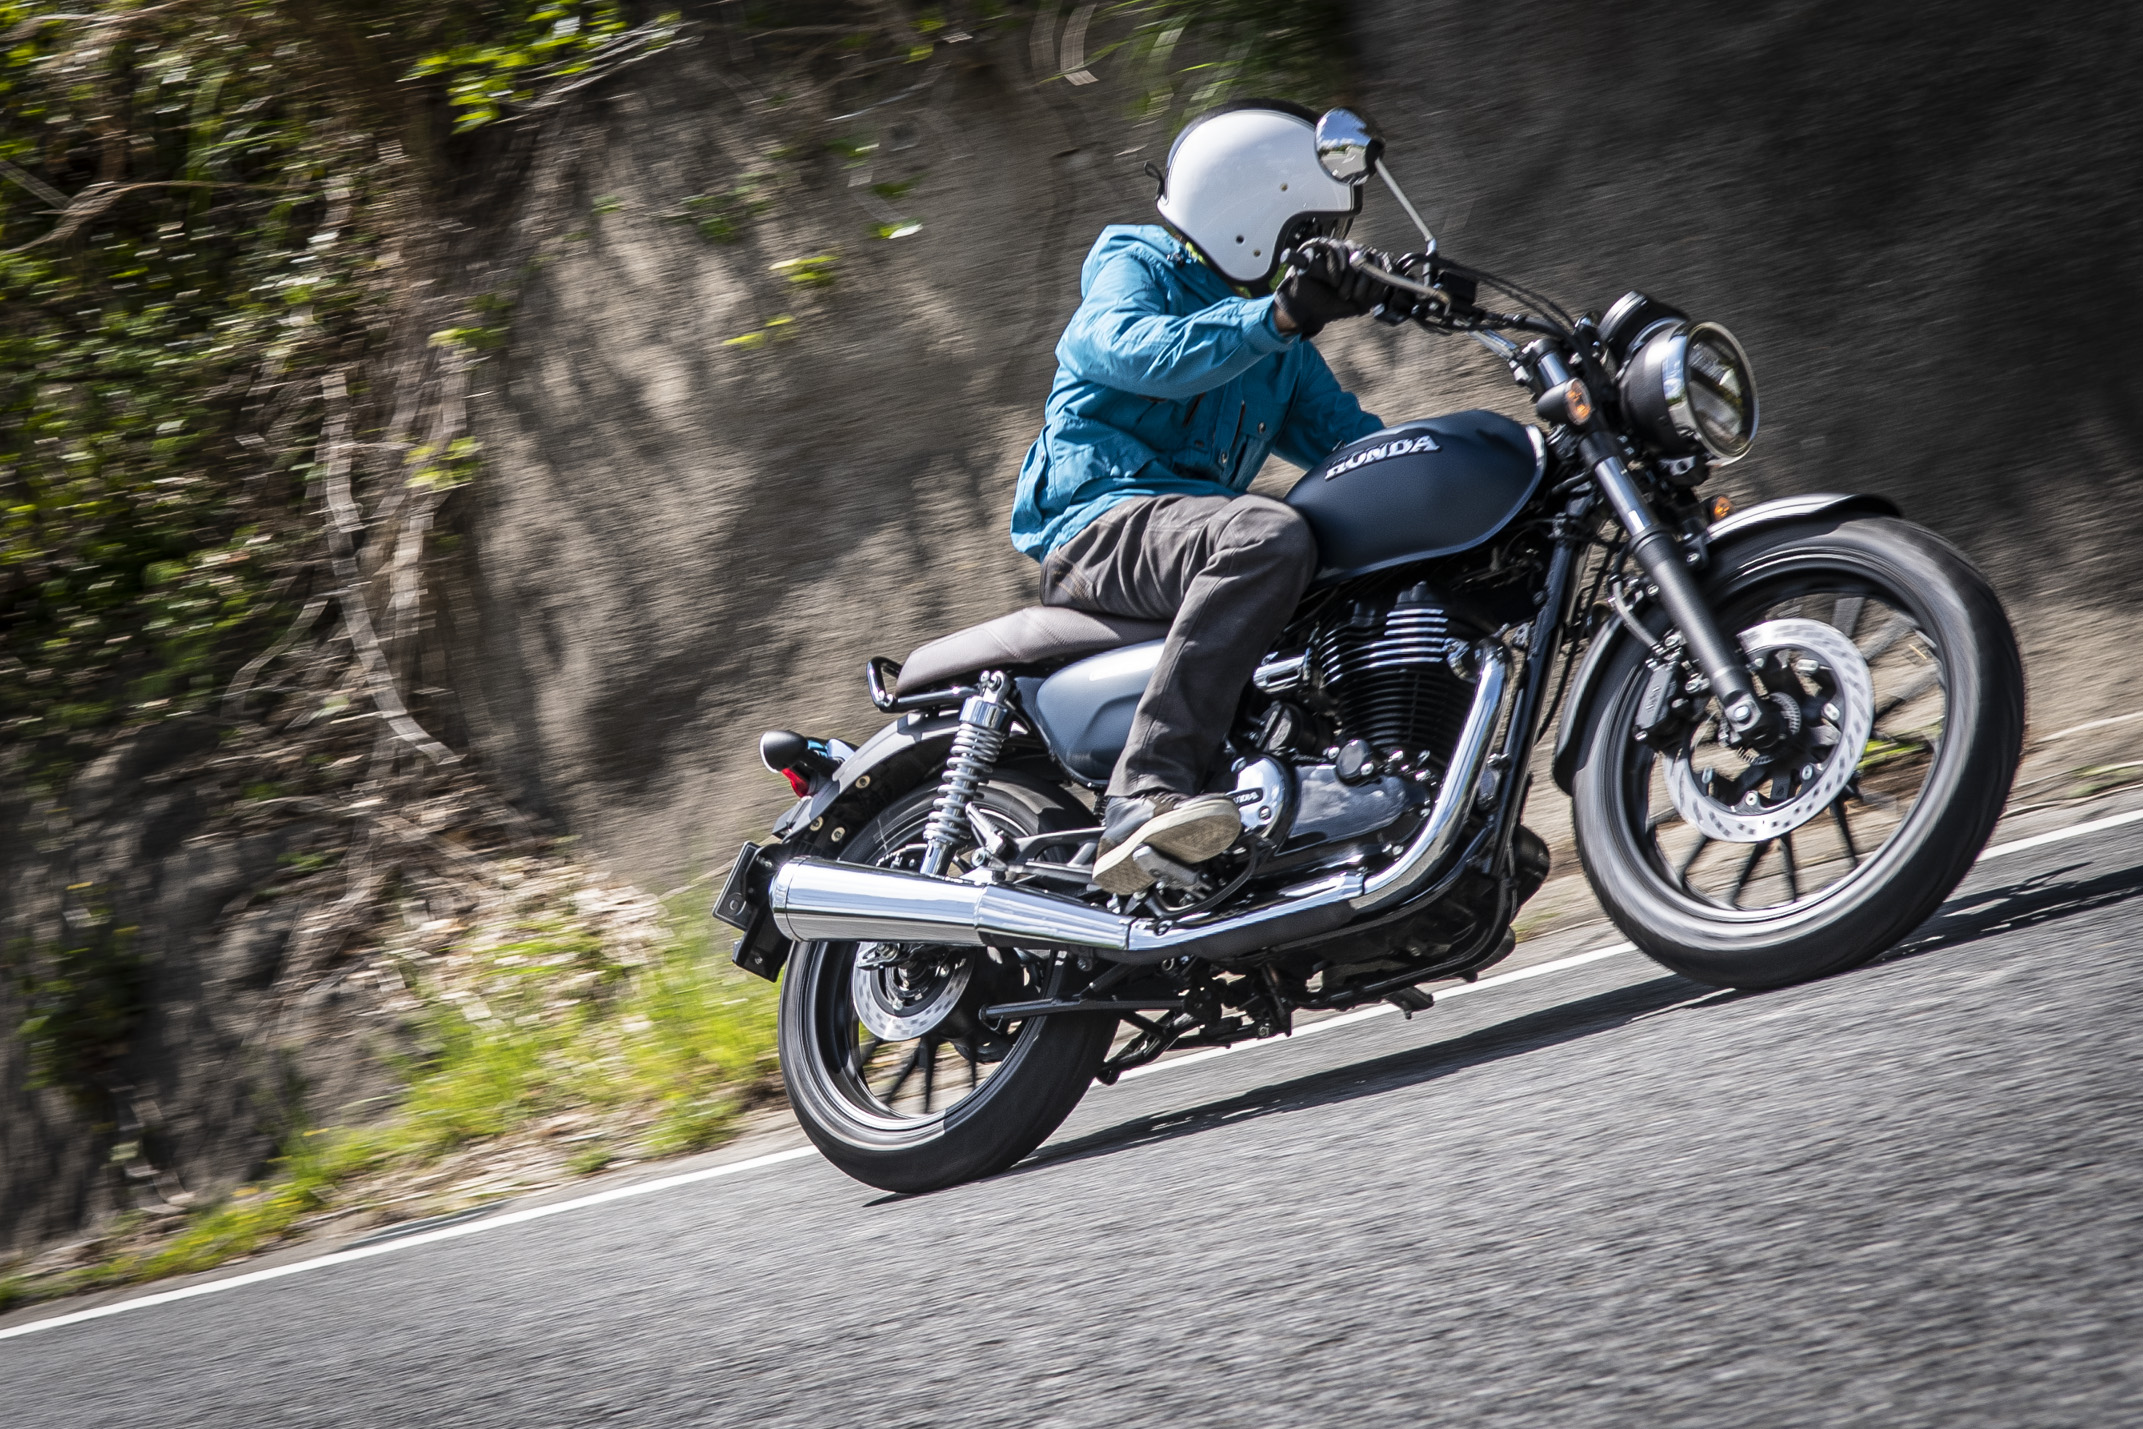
[[983, 722]]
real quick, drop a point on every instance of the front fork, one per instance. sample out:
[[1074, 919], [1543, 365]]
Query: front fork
[[1659, 555], [1749, 719]]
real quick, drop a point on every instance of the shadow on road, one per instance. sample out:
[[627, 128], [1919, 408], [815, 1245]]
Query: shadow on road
[[1547, 1028], [2015, 907], [2011, 908]]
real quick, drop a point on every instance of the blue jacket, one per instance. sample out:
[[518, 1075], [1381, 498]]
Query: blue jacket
[[1170, 384]]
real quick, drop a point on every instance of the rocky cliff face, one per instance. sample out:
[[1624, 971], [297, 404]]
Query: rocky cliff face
[[211, 1062], [1902, 212], [683, 541]]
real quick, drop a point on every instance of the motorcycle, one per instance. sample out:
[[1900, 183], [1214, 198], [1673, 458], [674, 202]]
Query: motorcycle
[[1786, 731]]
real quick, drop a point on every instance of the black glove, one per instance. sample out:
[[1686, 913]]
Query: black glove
[[1326, 283]]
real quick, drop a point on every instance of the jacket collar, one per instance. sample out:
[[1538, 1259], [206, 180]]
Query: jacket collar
[[1194, 261]]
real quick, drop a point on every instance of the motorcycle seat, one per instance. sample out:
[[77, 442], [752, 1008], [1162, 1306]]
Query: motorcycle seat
[[1039, 636]]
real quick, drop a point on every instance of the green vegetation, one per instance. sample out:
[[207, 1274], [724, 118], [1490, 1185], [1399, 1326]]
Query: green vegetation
[[443, 469], [492, 315], [143, 517], [81, 999], [816, 271], [722, 217], [205, 210], [552, 43], [1193, 54], [555, 1023], [774, 327], [662, 1055]]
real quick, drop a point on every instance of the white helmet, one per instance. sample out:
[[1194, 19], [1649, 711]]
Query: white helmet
[[1244, 185]]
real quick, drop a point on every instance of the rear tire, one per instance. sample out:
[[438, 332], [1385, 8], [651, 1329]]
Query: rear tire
[[1886, 891], [886, 1141]]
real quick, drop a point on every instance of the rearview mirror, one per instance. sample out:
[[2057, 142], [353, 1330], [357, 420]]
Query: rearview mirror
[[1345, 147]]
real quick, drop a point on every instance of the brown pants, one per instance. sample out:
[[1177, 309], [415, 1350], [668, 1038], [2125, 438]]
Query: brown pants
[[1227, 572]]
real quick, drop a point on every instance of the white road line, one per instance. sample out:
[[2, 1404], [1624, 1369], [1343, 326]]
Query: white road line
[[344, 1257], [756, 1163], [2073, 831], [1577, 960]]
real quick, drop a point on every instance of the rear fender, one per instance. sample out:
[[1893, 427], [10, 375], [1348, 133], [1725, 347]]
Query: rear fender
[[887, 765], [884, 768], [1761, 519]]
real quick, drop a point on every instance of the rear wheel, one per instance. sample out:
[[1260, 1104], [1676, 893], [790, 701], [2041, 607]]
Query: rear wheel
[[890, 1066], [1897, 679]]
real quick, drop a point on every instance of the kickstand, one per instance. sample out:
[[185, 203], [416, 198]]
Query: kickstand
[[1411, 1000], [1283, 1011]]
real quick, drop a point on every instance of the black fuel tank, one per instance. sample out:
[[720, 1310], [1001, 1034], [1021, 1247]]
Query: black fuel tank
[[1427, 488]]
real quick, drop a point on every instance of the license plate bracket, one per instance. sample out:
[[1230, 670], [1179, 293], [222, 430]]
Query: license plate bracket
[[761, 949]]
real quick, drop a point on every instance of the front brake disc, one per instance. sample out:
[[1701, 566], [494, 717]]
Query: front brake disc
[[1754, 819]]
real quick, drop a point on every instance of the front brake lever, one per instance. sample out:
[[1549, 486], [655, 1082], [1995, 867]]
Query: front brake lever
[[1400, 281], [1437, 305]]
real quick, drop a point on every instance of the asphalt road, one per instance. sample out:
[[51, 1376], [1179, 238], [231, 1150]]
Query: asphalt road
[[1603, 1195]]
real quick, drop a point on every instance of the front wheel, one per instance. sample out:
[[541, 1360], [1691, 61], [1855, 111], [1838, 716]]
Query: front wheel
[[1898, 685], [890, 1065]]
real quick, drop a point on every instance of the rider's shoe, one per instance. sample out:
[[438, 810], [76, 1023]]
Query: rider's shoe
[[1189, 828]]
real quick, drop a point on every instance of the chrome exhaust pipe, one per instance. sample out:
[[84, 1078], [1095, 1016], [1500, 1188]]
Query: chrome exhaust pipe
[[1425, 856], [814, 899]]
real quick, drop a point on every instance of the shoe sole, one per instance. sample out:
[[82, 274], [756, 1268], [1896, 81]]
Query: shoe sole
[[1195, 832], [1191, 834], [1116, 873]]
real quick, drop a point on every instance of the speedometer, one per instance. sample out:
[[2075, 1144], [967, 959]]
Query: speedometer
[[1689, 389]]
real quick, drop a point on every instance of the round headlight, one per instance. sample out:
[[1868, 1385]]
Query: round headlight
[[1689, 389]]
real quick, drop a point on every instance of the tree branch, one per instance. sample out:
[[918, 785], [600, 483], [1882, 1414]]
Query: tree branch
[[344, 523], [243, 680], [98, 197]]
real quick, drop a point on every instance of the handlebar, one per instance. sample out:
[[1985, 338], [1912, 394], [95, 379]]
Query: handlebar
[[1452, 311]]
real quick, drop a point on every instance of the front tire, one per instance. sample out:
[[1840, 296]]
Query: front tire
[[871, 1103], [1944, 689]]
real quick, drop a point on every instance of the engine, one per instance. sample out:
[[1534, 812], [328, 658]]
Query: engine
[[1391, 670]]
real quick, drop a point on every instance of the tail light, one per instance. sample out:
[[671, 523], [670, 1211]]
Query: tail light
[[804, 762]]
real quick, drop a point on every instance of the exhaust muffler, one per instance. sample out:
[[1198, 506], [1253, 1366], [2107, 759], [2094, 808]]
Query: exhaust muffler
[[815, 899]]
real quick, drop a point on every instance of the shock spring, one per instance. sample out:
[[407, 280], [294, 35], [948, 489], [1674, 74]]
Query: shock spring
[[983, 721]]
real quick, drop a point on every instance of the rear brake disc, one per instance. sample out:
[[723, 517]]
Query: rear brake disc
[[904, 999]]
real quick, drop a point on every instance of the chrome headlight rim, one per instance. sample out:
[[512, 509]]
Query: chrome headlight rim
[[1655, 390], [1683, 413]]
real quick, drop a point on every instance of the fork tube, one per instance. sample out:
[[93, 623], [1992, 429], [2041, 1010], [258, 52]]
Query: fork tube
[[1659, 555]]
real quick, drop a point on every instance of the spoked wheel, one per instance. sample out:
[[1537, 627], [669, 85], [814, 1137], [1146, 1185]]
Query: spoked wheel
[[1897, 683], [890, 1065]]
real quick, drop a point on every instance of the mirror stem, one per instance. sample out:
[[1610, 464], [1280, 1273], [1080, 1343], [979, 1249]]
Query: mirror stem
[[1407, 204]]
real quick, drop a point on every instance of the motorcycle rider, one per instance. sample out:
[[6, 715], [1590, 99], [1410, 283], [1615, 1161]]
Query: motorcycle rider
[[1183, 367]]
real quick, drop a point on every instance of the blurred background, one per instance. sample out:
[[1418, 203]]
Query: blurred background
[[436, 440]]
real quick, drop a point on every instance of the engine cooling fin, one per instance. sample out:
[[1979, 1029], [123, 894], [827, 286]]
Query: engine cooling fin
[[1391, 669]]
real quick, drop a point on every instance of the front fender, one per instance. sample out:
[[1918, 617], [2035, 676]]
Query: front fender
[[1762, 517], [868, 779]]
